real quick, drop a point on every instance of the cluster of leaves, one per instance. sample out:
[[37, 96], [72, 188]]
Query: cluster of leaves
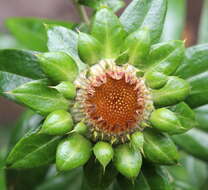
[[32, 145]]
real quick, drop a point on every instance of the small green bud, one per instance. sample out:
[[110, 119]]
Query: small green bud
[[137, 140], [58, 122], [174, 91], [72, 152], [155, 79], [67, 89], [58, 66], [89, 48], [127, 161], [159, 148], [166, 121], [138, 46], [186, 116], [103, 152], [80, 128]]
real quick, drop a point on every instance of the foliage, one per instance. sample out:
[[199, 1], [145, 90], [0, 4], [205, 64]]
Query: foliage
[[178, 78]]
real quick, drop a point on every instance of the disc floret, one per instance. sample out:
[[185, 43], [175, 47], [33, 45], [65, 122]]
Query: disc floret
[[113, 100]]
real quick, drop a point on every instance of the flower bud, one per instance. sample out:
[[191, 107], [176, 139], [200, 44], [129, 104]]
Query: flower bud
[[127, 161], [57, 123], [174, 91], [137, 140], [89, 48], [67, 89], [155, 79], [72, 152], [166, 121], [103, 152], [58, 66], [80, 128]]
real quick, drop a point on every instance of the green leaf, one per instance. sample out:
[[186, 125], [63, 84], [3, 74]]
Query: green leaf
[[71, 180], [191, 172], [196, 66], [73, 152], [166, 57], [174, 91], [127, 160], [150, 178], [24, 178], [140, 183], [20, 62], [157, 177], [58, 66], [2, 172], [202, 117], [115, 5], [33, 150], [175, 20], [28, 121], [64, 40], [94, 176], [203, 27], [107, 29], [9, 81], [31, 32], [138, 45], [145, 13], [39, 97], [159, 148], [195, 142]]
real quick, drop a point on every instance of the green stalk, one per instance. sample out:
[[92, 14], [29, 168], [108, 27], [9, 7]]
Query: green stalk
[[81, 11]]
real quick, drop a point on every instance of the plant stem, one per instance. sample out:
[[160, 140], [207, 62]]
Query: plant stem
[[82, 12]]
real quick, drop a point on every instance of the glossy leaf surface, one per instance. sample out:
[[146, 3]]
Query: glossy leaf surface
[[39, 97], [33, 150], [31, 32], [13, 61], [107, 29], [159, 148], [194, 142], [145, 13], [65, 40], [196, 66]]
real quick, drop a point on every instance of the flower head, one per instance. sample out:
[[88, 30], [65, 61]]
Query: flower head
[[113, 92], [112, 100]]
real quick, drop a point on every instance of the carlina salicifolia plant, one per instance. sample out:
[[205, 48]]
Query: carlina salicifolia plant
[[109, 94]]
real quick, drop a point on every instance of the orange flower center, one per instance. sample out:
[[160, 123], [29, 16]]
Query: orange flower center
[[115, 106]]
